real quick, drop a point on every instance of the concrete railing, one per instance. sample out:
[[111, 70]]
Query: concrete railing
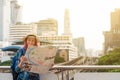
[[66, 73], [5, 69], [77, 75]]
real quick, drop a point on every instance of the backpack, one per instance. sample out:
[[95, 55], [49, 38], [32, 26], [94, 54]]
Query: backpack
[[14, 59]]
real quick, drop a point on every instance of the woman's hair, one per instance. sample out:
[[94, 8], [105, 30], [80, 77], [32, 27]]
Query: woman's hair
[[25, 40]]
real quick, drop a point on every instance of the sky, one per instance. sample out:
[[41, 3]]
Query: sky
[[88, 18]]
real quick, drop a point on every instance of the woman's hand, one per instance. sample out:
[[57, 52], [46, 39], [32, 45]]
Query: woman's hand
[[22, 59]]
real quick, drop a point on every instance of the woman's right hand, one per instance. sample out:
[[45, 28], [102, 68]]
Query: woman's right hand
[[23, 58]]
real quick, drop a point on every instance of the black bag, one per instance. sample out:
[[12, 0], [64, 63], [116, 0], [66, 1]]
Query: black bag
[[33, 76]]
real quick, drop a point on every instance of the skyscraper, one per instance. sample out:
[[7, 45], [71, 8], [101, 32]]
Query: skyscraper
[[112, 37], [4, 19], [15, 15], [67, 23], [9, 14]]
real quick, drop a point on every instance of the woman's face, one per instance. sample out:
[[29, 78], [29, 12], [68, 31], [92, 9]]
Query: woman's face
[[31, 40]]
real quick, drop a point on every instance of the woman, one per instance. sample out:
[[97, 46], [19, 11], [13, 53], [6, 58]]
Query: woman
[[29, 40]]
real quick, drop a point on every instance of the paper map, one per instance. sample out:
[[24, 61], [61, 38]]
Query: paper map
[[41, 58]]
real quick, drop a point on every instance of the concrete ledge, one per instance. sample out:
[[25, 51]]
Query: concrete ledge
[[47, 76], [6, 76], [97, 76]]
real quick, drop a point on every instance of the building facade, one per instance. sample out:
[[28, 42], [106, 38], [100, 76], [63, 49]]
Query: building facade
[[112, 37], [4, 19], [17, 32], [47, 27], [9, 14], [66, 49], [80, 44]]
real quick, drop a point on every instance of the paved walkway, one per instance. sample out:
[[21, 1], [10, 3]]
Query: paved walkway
[[5, 76], [48, 76]]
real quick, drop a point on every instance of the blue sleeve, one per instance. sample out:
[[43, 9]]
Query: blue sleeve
[[19, 53]]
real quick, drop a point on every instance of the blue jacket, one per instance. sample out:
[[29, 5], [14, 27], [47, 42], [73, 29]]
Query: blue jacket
[[24, 75], [20, 52]]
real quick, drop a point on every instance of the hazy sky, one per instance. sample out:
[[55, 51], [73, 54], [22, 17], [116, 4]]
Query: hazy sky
[[88, 18]]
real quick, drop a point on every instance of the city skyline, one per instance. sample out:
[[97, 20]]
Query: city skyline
[[88, 19]]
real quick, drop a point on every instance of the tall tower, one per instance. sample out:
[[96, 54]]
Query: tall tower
[[15, 12], [4, 19], [67, 23], [115, 21]]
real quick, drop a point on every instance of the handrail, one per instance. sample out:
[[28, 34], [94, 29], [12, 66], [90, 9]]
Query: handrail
[[4, 69], [71, 61], [87, 67], [78, 67]]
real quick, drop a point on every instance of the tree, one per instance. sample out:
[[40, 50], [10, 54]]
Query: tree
[[6, 63], [111, 58], [58, 59]]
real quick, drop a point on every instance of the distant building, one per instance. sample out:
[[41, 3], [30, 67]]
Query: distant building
[[80, 44], [67, 23], [9, 14], [4, 19], [47, 27], [64, 43], [17, 32], [16, 12], [112, 37]]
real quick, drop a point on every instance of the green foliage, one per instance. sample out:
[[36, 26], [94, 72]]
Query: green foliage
[[111, 58], [58, 59], [6, 63]]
